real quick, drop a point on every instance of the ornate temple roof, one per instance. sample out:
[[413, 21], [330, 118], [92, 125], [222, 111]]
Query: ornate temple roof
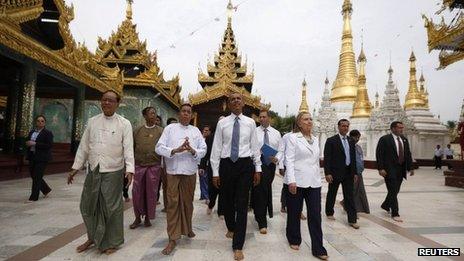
[[362, 106], [73, 60], [226, 73], [345, 85], [125, 51], [414, 99], [448, 38], [304, 107]]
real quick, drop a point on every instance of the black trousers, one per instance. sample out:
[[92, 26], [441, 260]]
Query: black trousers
[[348, 201], [283, 197], [437, 162], [36, 170], [312, 197], [449, 157], [236, 180], [262, 195], [213, 193], [391, 200]]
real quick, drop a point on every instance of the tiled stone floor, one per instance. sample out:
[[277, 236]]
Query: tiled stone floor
[[430, 210]]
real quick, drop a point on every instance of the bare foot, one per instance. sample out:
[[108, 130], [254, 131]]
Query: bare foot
[[169, 248], [238, 255], [147, 222], [136, 223], [29, 201], [207, 202], [84, 246], [331, 217], [302, 217], [191, 234], [323, 257], [221, 217], [397, 219], [209, 211], [230, 234], [295, 247], [126, 199], [110, 251], [283, 210], [263, 231], [354, 225]]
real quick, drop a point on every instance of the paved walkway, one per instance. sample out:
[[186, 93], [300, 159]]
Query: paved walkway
[[52, 228]]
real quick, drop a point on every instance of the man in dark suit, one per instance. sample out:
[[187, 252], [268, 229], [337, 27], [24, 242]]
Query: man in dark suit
[[205, 169], [39, 153], [393, 162], [340, 168]]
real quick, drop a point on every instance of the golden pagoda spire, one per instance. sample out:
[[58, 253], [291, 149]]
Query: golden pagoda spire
[[230, 12], [423, 91], [413, 97], [345, 85], [362, 106], [304, 104], [129, 9]]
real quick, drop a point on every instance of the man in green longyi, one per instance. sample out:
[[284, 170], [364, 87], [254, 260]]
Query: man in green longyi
[[107, 146]]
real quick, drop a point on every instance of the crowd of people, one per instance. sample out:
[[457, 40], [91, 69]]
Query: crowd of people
[[236, 165]]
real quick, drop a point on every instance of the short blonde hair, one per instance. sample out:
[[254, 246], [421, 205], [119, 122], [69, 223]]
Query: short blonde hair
[[298, 118]]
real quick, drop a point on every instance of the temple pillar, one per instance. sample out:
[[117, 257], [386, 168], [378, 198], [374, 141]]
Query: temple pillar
[[10, 117], [25, 114], [78, 118]]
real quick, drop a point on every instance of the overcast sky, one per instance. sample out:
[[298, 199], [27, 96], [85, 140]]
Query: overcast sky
[[284, 40]]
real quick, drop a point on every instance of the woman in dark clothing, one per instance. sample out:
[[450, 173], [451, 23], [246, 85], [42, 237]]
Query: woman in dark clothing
[[39, 146]]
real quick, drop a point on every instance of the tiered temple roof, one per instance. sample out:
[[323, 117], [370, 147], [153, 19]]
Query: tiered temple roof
[[125, 51], [227, 73], [62, 53], [448, 38]]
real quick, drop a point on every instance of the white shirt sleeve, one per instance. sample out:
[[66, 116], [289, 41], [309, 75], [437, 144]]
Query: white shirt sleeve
[[82, 153], [162, 147], [216, 150], [280, 154], [200, 146], [128, 146], [290, 159], [255, 149]]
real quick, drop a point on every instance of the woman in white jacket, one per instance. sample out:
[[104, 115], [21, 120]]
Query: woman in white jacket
[[304, 183]]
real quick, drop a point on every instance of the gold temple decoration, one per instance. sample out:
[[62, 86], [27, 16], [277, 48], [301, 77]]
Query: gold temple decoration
[[423, 91], [345, 85], [448, 38], [124, 49], [362, 106], [304, 103], [414, 99], [73, 60], [226, 73]]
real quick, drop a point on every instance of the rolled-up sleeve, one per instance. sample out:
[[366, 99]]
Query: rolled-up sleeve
[[255, 149]]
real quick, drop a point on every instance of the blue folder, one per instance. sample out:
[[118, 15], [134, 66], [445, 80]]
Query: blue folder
[[268, 151]]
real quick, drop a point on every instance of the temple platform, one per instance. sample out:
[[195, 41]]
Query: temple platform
[[52, 228]]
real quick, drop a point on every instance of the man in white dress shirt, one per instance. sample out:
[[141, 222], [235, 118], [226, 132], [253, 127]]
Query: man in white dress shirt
[[262, 194], [235, 161], [182, 146], [107, 145]]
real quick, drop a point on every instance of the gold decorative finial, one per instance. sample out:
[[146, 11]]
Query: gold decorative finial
[[345, 86], [230, 11], [304, 104], [423, 91], [413, 97], [129, 9], [362, 106]]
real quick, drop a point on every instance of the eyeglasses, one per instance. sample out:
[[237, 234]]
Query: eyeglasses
[[108, 100]]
